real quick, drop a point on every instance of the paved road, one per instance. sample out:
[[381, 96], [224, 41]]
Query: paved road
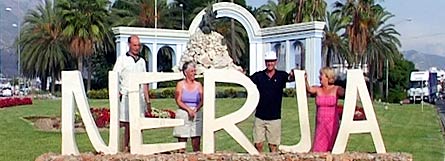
[[440, 104]]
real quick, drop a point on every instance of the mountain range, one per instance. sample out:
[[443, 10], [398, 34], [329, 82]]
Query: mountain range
[[424, 61]]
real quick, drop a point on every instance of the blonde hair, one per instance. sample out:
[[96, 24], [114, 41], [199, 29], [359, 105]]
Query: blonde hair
[[330, 74]]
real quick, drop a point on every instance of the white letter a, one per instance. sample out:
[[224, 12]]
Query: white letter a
[[356, 82]]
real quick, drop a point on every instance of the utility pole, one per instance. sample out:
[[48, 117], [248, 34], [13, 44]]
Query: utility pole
[[182, 16]]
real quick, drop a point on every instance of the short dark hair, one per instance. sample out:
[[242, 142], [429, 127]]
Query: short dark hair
[[129, 39]]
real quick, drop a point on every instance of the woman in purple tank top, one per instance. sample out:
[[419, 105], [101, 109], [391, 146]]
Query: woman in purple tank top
[[327, 121], [188, 96]]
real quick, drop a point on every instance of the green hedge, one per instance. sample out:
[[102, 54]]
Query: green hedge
[[169, 92], [395, 96], [98, 94]]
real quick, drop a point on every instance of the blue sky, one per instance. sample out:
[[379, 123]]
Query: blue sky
[[425, 32]]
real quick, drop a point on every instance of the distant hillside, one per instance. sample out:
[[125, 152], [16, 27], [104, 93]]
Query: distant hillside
[[424, 61]]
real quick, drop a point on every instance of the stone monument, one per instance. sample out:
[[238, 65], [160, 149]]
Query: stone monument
[[206, 47]]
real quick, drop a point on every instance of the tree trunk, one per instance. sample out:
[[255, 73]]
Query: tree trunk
[[89, 73], [371, 79], [324, 55], [328, 57], [53, 83], [43, 83], [80, 64]]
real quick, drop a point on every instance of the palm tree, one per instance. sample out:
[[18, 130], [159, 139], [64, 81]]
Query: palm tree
[[333, 41], [43, 46], [223, 26], [273, 14], [83, 25], [140, 13], [383, 45], [359, 15], [313, 10]]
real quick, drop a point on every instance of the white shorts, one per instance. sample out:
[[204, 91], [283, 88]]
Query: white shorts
[[191, 127], [124, 110]]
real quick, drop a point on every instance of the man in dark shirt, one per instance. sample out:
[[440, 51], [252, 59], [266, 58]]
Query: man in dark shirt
[[270, 83]]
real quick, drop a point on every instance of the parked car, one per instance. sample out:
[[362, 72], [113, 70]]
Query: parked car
[[7, 92]]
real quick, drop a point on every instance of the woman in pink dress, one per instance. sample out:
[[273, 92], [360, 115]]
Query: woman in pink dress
[[327, 121]]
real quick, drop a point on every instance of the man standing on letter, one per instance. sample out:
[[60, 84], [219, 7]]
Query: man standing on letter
[[130, 62], [270, 83]]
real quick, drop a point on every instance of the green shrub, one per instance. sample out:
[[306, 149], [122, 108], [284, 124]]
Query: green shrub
[[57, 94], [167, 84], [395, 96], [230, 92], [168, 93], [98, 94]]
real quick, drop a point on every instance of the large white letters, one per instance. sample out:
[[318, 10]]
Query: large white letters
[[305, 141], [139, 123], [348, 125], [227, 122], [73, 94]]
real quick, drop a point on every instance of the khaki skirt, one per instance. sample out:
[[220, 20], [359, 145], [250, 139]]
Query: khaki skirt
[[191, 127]]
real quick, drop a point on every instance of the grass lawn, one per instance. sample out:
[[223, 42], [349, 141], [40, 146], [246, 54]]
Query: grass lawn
[[404, 128]]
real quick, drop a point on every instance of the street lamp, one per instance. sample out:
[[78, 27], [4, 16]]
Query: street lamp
[[18, 48], [17, 25], [387, 62], [182, 16]]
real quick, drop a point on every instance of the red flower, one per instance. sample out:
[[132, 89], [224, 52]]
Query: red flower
[[359, 113], [101, 116], [14, 101]]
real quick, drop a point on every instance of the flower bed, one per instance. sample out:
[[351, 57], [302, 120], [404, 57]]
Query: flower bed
[[102, 115], [232, 156], [160, 113], [15, 101]]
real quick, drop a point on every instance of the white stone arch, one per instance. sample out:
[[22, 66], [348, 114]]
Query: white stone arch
[[299, 53], [147, 52], [173, 55], [231, 10], [243, 16]]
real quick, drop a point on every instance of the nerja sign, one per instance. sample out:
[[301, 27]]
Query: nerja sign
[[74, 96]]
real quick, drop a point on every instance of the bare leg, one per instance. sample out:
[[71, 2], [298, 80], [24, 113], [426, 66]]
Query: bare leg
[[273, 148], [196, 143], [182, 140], [259, 147], [126, 139]]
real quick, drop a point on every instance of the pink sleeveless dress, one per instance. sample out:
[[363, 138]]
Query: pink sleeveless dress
[[327, 123]]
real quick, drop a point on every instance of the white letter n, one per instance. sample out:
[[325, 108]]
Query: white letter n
[[73, 93]]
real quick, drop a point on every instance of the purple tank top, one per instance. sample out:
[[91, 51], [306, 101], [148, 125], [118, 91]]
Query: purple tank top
[[190, 98]]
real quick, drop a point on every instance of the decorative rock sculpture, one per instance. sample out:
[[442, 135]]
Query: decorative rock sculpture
[[206, 47]]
